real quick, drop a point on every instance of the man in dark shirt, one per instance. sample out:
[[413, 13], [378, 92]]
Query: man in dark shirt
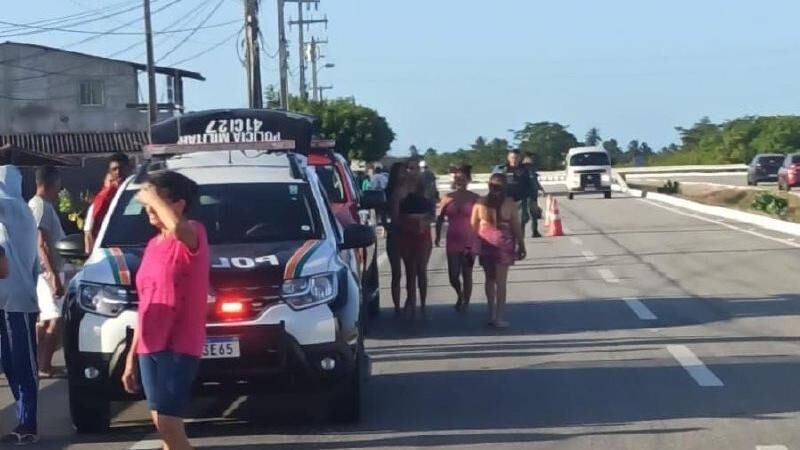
[[520, 186], [533, 201]]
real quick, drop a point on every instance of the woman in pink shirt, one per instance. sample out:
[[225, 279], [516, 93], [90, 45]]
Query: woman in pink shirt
[[172, 284]]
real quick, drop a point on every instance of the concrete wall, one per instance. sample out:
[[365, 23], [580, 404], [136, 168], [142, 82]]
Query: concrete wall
[[48, 99]]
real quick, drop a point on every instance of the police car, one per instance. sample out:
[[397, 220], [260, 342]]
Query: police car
[[285, 311]]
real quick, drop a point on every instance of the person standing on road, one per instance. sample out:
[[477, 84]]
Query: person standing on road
[[50, 286], [412, 216], [19, 310], [462, 242], [397, 179], [173, 287], [496, 221], [428, 180], [534, 211], [119, 167], [519, 184]]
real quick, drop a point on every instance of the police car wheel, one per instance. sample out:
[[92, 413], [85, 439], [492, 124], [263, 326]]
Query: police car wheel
[[89, 413], [607, 194], [346, 404]]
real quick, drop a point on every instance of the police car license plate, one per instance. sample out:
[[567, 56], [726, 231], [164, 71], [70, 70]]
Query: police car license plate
[[221, 347]]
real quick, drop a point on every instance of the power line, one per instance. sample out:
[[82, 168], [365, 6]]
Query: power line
[[51, 28], [118, 33], [85, 40], [77, 16], [193, 32], [210, 49]]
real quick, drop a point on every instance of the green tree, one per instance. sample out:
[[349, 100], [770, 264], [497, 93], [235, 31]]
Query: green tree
[[614, 151], [593, 137], [548, 142], [360, 132]]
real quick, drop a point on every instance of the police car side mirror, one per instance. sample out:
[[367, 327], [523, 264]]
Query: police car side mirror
[[72, 247], [372, 199], [358, 236]]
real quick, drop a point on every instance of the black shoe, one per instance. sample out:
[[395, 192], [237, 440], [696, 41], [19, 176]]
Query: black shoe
[[536, 235]]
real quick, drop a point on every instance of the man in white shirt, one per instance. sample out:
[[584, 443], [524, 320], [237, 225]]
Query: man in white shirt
[[50, 285]]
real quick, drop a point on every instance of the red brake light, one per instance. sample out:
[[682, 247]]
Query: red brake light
[[231, 307], [319, 159]]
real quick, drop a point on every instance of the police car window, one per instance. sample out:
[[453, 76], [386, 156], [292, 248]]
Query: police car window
[[772, 160], [795, 159], [231, 213], [332, 182], [589, 159]]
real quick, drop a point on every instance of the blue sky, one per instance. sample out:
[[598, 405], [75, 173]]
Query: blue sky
[[444, 72]]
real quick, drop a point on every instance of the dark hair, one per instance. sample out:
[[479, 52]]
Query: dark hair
[[497, 194], [413, 160], [47, 176], [397, 170], [464, 168], [175, 187], [120, 158], [515, 150]]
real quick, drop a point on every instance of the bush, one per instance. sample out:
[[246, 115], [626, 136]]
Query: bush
[[771, 204]]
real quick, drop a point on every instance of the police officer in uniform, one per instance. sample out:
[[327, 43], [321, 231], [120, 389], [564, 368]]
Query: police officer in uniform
[[520, 185]]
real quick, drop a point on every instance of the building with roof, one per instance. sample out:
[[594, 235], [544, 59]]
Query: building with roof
[[55, 101]]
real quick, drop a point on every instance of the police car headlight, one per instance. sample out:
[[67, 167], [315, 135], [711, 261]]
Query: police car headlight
[[104, 299], [303, 293]]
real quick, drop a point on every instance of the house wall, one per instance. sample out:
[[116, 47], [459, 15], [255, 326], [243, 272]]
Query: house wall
[[40, 92]]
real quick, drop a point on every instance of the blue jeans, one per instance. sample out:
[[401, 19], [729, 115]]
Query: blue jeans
[[18, 349], [167, 379]]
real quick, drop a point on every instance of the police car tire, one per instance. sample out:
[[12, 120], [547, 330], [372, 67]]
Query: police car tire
[[607, 194], [89, 414], [346, 405]]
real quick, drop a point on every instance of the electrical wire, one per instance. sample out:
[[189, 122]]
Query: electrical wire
[[193, 32], [82, 41], [210, 49], [77, 16], [51, 28], [119, 33]]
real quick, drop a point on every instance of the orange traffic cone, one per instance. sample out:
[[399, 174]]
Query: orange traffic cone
[[548, 210], [555, 222]]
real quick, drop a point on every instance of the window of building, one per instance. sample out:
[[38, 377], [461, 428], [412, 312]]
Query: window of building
[[92, 93]]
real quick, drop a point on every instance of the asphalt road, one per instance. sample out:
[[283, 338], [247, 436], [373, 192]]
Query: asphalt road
[[644, 328]]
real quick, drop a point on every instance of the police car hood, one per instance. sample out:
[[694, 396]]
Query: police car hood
[[233, 267]]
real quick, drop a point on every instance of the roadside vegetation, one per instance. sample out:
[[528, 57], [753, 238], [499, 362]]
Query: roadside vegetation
[[778, 205]]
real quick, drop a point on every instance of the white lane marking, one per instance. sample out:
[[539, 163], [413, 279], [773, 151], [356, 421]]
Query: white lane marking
[[771, 447], [641, 311], [608, 276], [696, 369], [576, 240], [788, 242], [234, 406], [147, 445], [589, 255], [382, 258]]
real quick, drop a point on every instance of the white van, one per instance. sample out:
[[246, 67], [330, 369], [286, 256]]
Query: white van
[[588, 170]]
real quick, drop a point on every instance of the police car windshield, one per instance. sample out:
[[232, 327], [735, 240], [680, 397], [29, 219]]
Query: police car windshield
[[231, 213], [589, 159]]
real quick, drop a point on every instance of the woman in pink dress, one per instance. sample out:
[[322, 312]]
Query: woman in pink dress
[[496, 221], [462, 242]]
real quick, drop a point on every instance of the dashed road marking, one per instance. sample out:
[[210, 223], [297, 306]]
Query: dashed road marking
[[151, 444], [576, 240], [234, 406], [696, 369], [589, 255], [639, 308], [771, 447], [608, 276]]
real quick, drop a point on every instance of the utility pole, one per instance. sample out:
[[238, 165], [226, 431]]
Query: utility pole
[[301, 22], [323, 89], [152, 106], [315, 56], [283, 56], [253, 57]]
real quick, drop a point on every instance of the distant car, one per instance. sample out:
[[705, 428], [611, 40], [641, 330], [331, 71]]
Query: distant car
[[764, 168], [588, 170], [789, 172]]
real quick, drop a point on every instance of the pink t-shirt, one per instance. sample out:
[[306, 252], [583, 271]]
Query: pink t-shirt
[[172, 284]]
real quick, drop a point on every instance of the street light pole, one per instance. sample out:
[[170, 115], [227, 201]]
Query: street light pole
[[254, 91], [283, 56], [152, 106]]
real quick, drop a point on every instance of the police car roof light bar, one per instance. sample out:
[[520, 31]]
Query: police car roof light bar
[[166, 150], [323, 144]]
